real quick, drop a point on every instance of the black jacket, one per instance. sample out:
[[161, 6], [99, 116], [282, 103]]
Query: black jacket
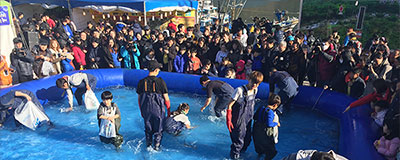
[[22, 60]]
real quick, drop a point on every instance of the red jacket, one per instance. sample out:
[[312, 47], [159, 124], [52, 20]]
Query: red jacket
[[78, 55], [51, 23], [327, 69], [372, 98], [172, 26]]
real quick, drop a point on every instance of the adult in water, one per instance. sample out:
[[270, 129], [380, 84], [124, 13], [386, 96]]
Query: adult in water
[[81, 81], [14, 102], [221, 90], [287, 86], [153, 97]]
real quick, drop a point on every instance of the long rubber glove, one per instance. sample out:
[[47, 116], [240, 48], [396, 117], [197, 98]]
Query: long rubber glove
[[168, 104], [229, 119]]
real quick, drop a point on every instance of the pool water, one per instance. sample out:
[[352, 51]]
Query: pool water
[[76, 133]]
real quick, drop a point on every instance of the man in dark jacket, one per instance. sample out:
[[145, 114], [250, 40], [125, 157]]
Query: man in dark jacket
[[158, 46], [281, 57], [22, 60], [355, 83], [94, 55], [41, 54], [286, 85]]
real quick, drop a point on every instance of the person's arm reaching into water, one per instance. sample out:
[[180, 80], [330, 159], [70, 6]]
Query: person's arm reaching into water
[[208, 101], [70, 96]]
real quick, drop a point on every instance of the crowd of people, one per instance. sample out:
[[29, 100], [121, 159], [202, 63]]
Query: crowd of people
[[368, 72]]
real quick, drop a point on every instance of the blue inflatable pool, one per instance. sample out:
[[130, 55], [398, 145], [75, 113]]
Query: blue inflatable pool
[[357, 130]]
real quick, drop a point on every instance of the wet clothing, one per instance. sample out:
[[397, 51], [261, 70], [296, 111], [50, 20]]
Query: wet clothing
[[10, 100], [152, 107], [222, 91], [79, 81], [103, 110], [176, 124], [287, 86], [242, 115], [265, 132]]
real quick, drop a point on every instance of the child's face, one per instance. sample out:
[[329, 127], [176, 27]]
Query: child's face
[[107, 102], [186, 111], [275, 106]]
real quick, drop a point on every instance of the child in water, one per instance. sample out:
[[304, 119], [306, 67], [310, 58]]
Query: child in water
[[109, 119], [178, 121], [265, 128]]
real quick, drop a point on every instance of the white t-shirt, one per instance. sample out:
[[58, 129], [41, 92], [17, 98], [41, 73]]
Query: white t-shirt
[[238, 94], [182, 118]]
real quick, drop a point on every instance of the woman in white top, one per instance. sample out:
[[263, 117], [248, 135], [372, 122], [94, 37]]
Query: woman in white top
[[221, 54], [56, 54]]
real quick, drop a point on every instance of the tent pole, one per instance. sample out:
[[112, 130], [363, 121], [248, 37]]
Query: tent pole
[[69, 8], [300, 12], [145, 13]]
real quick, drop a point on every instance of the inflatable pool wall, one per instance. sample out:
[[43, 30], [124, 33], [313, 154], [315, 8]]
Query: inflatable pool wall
[[357, 130]]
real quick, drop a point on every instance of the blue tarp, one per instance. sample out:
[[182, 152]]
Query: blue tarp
[[134, 4]]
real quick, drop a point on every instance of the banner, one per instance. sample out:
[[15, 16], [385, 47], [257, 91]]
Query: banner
[[7, 33]]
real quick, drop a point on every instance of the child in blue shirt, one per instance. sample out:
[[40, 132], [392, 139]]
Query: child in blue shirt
[[265, 128]]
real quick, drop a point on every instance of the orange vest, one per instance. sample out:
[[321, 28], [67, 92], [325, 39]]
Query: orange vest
[[5, 74]]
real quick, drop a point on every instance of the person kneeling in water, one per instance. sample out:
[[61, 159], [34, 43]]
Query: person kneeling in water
[[109, 119], [178, 121]]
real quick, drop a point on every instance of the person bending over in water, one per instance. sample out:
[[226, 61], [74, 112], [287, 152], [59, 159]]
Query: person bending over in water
[[81, 81], [178, 121]]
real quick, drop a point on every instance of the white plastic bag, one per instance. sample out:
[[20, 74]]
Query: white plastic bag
[[47, 68], [107, 129], [91, 102], [30, 115]]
